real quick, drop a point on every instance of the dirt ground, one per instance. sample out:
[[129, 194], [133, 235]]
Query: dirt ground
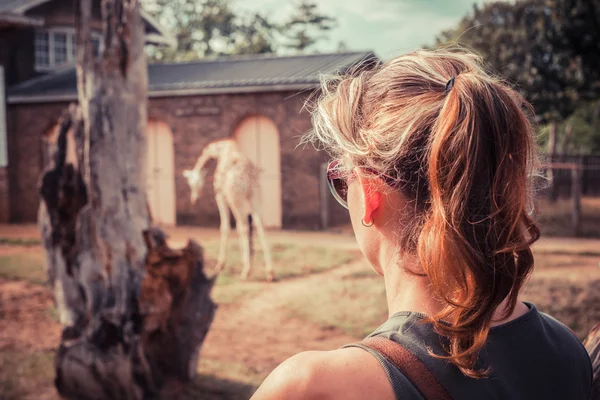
[[253, 335]]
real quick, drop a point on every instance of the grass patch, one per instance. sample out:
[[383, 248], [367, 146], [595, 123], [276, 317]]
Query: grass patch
[[15, 241], [233, 291], [289, 260], [25, 374], [24, 266], [356, 303], [356, 306], [545, 261]]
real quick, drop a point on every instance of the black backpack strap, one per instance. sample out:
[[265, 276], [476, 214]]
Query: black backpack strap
[[411, 366]]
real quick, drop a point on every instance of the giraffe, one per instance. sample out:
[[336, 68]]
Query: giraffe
[[236, 185]]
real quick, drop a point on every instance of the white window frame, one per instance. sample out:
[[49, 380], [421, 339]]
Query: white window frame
[[51, 55]]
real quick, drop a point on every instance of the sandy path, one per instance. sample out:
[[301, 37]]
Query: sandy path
[[260, 334]]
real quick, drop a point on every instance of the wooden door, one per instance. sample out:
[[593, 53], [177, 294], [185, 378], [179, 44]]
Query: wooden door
[[160, 173], [258, 138]]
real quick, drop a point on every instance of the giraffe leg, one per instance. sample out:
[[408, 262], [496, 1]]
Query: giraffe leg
[[265, 246], [241, 224], [225, 229]]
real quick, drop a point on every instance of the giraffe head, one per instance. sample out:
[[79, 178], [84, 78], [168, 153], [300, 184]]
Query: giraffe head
[[195, 180]]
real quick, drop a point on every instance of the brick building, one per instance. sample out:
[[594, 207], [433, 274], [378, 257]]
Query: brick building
[[257, 100]]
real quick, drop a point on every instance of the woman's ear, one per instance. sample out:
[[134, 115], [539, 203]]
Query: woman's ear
[[372, 197]]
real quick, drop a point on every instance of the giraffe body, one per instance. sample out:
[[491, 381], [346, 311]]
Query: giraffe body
[[236, 185]]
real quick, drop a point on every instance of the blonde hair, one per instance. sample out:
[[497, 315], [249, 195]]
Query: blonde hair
[[464, 156]]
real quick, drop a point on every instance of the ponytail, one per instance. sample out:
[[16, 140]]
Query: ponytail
[[461, 149], [475, 241]]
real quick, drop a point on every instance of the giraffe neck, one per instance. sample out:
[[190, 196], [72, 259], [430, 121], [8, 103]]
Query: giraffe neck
[[215, 150]]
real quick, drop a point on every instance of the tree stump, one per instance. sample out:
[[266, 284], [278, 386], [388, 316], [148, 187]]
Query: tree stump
[[134, 311]]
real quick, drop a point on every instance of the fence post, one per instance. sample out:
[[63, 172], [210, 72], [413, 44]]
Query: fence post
[[584, 175], [324, 194], [576, 198]]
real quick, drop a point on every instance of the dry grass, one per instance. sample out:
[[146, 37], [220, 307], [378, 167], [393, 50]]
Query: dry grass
[[234, 291], [18, 241], [28, 374], [555, 218], [289, 260], [565, 285], [24, 375], [27, 266], [355, 304]]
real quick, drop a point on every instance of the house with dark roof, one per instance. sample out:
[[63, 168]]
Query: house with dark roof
[[258, 100]]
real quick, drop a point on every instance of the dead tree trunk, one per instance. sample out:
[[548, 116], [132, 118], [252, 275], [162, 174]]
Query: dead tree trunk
[[134, 312]]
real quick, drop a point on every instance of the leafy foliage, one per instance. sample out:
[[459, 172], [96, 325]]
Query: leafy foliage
[[575, 30], [585, 122], [306, 26], [551, 50], [206, 28], [202, 28], [513, 38]]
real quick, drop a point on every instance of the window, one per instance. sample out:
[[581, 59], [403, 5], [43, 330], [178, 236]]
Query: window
[[55, 47], [96, 46], [72, 40], [61, 55], [42, 50]]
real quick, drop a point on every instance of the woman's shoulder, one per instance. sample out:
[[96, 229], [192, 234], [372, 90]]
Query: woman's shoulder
[[350, 373]]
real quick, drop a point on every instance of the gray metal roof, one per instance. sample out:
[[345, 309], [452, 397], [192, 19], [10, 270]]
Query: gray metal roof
[[10, 19], [255, 73], [19, 6]]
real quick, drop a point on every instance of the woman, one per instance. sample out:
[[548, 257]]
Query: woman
[[434, 161]]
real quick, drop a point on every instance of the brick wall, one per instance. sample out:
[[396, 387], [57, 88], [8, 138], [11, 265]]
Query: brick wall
[[194, 121], [25, 126]]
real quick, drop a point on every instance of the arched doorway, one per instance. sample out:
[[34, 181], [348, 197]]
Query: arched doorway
[[160, 183], [258, 138]]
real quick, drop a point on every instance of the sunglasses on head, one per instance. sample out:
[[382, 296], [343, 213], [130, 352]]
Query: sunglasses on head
[[337, 180]]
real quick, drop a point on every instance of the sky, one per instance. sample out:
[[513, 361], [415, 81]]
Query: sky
[[389, 27]]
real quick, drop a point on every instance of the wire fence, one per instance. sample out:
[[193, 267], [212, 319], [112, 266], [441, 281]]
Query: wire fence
[[562, 175]]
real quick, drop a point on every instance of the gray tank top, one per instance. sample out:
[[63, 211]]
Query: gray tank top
[[531, 357]]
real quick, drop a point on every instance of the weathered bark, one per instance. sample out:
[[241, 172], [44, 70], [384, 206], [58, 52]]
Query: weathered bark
[[134, 312]]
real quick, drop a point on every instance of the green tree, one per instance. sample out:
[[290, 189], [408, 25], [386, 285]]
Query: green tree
[[306, 26], [255, 34], [575, 31], [209, 28], [515, 40], [551, 50]]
